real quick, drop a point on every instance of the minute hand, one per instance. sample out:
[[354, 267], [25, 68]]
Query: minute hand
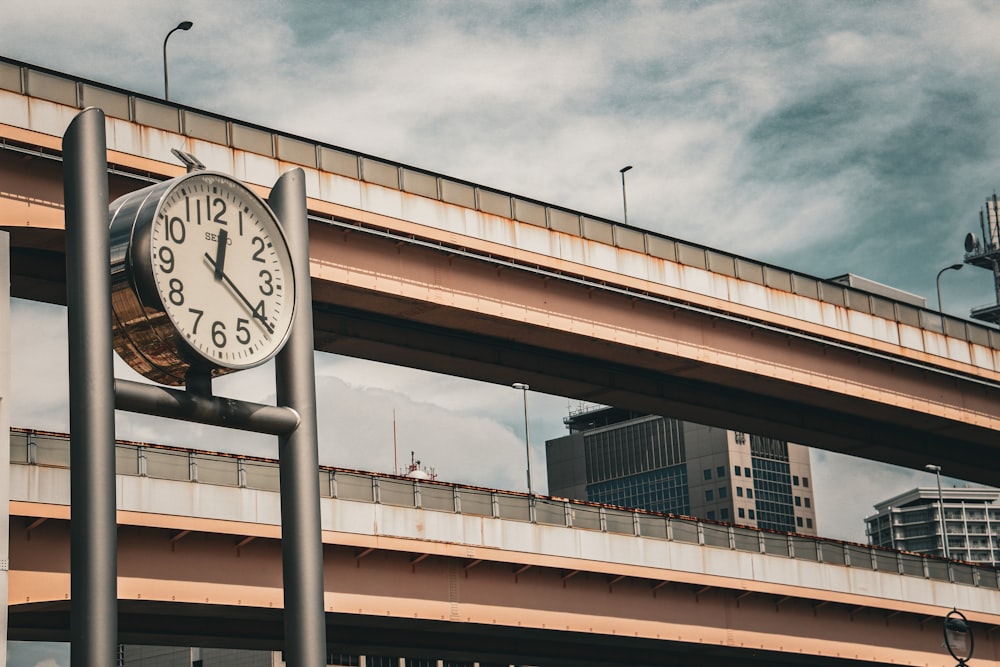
[[246, 301]]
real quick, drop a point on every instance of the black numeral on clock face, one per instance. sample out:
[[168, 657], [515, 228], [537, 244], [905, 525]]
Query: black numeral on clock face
[[258, 241], [197, 318], [176, 293], [242, 331], [222, 211], [267, 288], [174, 230], [166, 256], [219, 334]]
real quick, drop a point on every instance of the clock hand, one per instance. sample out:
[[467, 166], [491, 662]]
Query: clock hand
[[253, 311], [220, 254]]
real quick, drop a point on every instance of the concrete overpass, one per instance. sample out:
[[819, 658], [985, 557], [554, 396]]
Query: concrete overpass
[[421, 568], [429, 271]]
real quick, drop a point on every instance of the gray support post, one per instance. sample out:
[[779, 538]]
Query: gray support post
[[93, 529], [301, 537]]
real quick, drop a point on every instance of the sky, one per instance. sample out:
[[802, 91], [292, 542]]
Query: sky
[[823, 137]]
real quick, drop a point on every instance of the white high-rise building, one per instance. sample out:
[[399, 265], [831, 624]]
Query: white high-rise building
[[911, 521]]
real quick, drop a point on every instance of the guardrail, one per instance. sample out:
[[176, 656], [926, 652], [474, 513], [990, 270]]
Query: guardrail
[[53, 86], [43, 448]]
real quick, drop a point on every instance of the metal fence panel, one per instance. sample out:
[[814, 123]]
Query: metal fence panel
[[746, 539], [550, 512], [266, 477], [716, 536], [832, 553], [126, 460], [586, 517], [514, 507], [352, 486], [684, 530], [167, 465], [396, 492], [912, 565], [51, 451], [476, 501], [860, 556], [653, 526], [805, 548], [218, 470], [441, 498], [886, 561], [619, 521], [775, 544]]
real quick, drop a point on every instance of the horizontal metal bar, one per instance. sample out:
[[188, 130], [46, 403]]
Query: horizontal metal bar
[[213, 410]]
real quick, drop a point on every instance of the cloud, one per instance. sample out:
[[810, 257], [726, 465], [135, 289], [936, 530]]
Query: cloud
[[827, 138]]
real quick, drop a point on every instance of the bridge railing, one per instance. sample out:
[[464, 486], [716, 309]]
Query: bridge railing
[[43, 448]]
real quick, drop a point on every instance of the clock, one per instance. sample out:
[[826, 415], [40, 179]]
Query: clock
[[201, 278]]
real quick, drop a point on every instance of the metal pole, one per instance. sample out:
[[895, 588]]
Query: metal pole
[[624, 200], [193, 407], [944, 526], [953, 267], [93, 530], [527, 441], [301, 537], [183, 25]]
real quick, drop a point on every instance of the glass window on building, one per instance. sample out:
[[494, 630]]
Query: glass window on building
[[709, 496], [724, 513], [737, 470], [720, 472], [723, 492], [795, 480], [740, 513], [798, 521], [707, 473], [746, 472], [750, 493], [739, 491], [807, 501], [805, 482], [798, 501], [750, 513]]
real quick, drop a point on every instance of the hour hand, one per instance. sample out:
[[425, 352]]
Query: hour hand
[[220, 254]]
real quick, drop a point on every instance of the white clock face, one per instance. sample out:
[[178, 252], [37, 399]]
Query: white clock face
[[221, 267]]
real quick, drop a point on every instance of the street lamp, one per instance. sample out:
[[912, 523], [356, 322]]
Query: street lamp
[[624, 200], [944, 530], [527, 443], [183, 25], [953, 267]]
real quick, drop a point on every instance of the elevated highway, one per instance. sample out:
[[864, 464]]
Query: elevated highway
[[428, 569], [429, 271]]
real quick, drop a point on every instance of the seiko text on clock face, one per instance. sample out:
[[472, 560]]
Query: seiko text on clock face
[[222, 270]]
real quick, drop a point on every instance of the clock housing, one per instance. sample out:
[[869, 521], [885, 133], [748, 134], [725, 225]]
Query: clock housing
[[201, 278]]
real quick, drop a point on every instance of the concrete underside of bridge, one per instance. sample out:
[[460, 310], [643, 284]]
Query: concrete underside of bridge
[[382, 292], [174, 624]]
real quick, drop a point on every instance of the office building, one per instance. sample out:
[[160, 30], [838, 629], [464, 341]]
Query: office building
[[661, 464], [911, 521]]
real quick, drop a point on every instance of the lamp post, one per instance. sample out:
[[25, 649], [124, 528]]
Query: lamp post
[[527, 443], [183, 25], [624, 200], [953, 267], [944, 530]]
